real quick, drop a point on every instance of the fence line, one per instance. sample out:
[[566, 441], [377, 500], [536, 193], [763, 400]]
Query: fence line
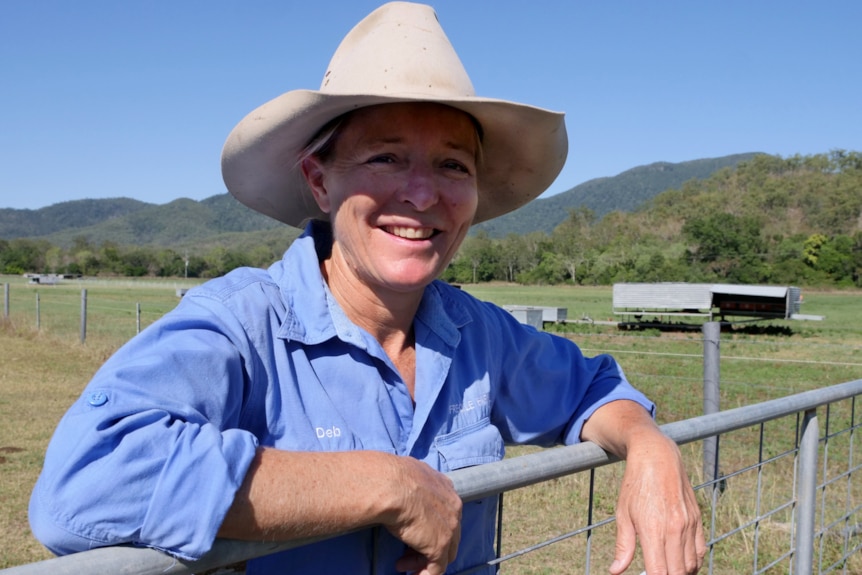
[[731, 357], [477, 482], [72, 300], [69, 300], [697, 340], [526, 470], [88, 308]]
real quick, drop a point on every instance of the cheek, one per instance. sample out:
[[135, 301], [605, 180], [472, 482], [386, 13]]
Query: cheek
[[464, 202]]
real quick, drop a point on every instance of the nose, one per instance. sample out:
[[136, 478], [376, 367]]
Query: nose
[[421, 189]]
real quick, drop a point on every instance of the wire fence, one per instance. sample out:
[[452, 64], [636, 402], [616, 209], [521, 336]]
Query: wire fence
[[91, 308], [763, 511], [792, 510]]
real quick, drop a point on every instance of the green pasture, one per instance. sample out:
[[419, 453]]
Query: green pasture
[[42, 372], [111, 306]]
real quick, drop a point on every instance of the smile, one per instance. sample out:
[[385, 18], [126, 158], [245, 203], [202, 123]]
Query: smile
[[410, 233]]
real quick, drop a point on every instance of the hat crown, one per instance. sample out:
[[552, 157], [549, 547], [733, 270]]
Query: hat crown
[[400, 49], [398, 53]]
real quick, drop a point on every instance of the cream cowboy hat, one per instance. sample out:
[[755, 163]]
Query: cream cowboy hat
[[398, 53]]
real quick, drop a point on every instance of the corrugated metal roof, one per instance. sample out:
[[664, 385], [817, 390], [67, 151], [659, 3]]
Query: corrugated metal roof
[[668, 295], [756, 291]]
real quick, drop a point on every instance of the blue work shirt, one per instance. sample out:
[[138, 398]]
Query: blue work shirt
[[155, 449]]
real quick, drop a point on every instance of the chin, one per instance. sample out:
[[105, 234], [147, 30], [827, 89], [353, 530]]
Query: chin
[[409, 281]]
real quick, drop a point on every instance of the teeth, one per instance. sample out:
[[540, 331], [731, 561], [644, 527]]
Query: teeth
[[411, 233]]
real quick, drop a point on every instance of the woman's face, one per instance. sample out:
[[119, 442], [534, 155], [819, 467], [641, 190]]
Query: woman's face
[[400, 189]]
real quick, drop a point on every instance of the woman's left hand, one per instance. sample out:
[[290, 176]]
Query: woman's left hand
[[657, 505]]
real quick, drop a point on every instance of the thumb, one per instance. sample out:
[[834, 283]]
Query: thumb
[[625, 546]]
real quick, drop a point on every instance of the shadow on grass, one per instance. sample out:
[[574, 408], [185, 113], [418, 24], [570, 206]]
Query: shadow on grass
[[726, 327]]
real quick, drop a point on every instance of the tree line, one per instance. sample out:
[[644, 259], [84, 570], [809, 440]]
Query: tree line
[[24, 255], [795, 220], [788, 221]]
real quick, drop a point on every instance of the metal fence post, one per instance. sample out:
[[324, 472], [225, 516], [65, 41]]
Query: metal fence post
[[6, 301], [806, 496], [138, 317], [83, 315], [711, 377], [38, 313]]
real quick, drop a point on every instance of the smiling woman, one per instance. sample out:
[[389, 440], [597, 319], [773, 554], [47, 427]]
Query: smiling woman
[[331, 392], [400, 188]]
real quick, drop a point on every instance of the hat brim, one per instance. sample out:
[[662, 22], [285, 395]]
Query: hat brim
[[523, 151]]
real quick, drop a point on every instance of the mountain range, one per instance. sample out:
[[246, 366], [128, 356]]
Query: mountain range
[[221, 219]]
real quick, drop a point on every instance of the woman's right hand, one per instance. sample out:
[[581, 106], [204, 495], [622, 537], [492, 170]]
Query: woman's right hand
[[426, 516]]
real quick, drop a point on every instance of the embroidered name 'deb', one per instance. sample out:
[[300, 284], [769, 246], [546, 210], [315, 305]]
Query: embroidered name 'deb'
[[327, 433]]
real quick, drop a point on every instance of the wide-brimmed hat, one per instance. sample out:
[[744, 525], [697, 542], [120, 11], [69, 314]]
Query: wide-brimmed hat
[[398, 53]]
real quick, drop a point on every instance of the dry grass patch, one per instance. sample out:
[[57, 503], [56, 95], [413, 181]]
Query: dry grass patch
[[42, 373], [40, 377]]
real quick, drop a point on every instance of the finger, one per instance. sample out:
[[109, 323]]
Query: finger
[[679, 551], [661, 546], [414, 562], [456, 540], [410, 561], [694, 545], [625, 546], [699, 547]]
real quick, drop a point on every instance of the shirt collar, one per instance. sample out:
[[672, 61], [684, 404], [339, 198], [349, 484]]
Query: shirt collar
[[313, 314]]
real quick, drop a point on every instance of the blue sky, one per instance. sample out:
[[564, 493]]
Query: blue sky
[[107, 98]]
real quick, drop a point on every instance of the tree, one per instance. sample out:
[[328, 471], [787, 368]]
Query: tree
[[168, 263], [136, 263], [811, 249], [23, 255], [728, 246], [514, 255], [481, 255], [571, 239]]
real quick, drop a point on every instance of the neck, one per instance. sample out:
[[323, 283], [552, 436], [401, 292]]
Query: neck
[[386, 314]]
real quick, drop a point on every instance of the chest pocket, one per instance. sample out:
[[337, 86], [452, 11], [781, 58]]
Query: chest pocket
[[475, 444]]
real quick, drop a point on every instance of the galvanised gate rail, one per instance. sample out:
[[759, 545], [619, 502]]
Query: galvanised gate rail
[[821, 461]]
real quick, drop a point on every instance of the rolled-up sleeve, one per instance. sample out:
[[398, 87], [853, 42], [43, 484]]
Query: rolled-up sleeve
[[549, 388], [153, 451]]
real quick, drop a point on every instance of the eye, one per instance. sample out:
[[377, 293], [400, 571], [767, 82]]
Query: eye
[[381, 159], [457, 166]]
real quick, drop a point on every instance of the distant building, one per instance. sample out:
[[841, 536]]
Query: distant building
[[657, 300]]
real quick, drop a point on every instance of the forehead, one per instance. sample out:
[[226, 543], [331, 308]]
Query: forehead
[[403, 121]]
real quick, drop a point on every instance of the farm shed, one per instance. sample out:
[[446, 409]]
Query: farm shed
[[43, 279], [537, 316], [707, 300]]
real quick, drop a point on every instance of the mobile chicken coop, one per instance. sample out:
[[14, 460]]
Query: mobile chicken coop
[[664, 301]]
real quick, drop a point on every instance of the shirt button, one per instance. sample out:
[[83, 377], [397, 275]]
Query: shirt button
[[97, 398]]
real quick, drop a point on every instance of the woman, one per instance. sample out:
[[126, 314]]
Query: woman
[[329, 393]]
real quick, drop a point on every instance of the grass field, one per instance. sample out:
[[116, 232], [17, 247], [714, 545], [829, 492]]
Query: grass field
[[43, 371]]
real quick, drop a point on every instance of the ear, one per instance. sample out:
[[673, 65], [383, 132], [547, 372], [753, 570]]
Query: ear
[[314, 173]]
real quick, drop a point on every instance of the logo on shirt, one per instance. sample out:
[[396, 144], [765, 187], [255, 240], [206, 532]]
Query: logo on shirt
[[470, 404]]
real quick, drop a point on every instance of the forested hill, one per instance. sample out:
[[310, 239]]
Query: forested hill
[[624, 192], [768, 220], [65, 215], [122, 221], [185, 222]]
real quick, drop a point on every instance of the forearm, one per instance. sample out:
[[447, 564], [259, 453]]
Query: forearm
[[289, 495], [620, 425], [292, 495]]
